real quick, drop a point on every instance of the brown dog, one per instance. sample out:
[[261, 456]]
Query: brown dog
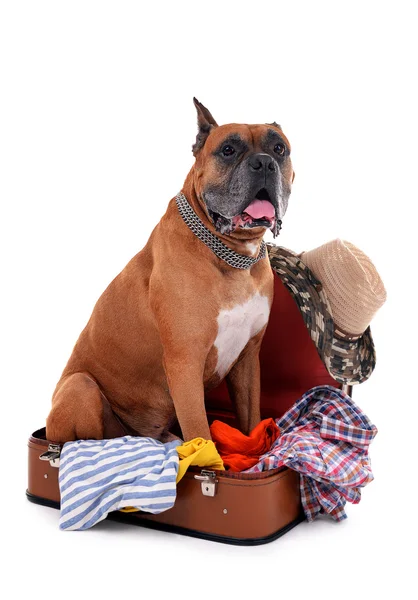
[[181, 316]]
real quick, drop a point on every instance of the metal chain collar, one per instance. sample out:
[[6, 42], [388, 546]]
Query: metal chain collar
[[234, 259]]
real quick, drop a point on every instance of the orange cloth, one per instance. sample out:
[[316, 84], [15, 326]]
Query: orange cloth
[[239, 451]]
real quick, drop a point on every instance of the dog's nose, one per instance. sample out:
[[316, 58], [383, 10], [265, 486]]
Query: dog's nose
[[262, 161]]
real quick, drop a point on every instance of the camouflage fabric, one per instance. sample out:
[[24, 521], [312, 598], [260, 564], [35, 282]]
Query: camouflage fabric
[[349, 359]]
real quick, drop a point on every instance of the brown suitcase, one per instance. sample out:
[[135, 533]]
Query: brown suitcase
[[217, 505], [235, 508]]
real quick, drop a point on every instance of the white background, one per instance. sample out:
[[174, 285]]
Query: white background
[[97, 124]]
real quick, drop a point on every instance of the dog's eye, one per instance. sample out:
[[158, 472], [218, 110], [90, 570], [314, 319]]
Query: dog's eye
[[228, 150], [279, 149]]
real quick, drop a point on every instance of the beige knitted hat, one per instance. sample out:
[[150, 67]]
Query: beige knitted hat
[[354, 288], [337, 296]]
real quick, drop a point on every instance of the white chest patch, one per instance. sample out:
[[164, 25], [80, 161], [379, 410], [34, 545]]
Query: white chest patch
[[236, 326], [253, 248]]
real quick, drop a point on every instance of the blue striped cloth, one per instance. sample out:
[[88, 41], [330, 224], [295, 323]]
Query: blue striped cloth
[[99, 476]]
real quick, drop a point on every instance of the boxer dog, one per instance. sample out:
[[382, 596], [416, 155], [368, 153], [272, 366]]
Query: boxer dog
[[192, 306]]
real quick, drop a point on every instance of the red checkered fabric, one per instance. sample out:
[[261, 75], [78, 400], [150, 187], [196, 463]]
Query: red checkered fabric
[[325, 437]]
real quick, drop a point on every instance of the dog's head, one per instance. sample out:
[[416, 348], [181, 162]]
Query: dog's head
[[243, 174]]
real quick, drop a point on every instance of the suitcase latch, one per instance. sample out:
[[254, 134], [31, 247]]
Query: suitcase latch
[[208, 482], [52, 454]]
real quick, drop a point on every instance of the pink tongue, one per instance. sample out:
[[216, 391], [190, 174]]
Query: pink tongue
[[259, 209]]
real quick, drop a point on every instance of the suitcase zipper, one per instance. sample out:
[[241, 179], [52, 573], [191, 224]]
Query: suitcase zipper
[[52, 454]]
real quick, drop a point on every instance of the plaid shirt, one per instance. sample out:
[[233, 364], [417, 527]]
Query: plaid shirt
[[325, 437]]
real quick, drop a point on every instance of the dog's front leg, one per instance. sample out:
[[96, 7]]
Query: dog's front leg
[[243, 382], [185, 344], [184, 374]]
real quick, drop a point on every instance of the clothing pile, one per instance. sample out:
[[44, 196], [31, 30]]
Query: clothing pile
[[324, 437], [127, 473]]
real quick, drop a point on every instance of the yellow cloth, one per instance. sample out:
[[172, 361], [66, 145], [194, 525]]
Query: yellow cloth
[[199, 453]]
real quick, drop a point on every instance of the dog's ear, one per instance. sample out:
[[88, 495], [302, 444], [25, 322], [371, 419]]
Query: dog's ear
[[275, 125], [205, 123]]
